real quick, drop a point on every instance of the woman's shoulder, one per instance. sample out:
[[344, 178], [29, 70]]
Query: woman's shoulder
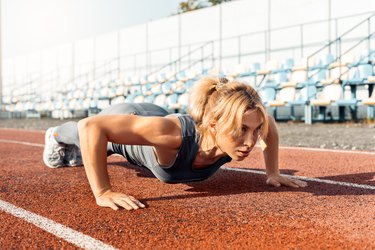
[[187, 124]]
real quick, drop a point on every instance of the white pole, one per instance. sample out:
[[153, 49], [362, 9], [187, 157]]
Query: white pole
[[1, 68]]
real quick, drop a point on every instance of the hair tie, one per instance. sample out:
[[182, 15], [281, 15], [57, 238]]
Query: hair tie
[[221, 83]]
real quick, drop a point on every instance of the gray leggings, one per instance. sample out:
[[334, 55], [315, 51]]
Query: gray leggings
[[68, 132]]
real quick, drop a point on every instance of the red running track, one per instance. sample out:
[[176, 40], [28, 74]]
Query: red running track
[[231, 210]]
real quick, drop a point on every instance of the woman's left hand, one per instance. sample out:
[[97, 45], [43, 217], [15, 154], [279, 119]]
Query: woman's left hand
[[278, 180]]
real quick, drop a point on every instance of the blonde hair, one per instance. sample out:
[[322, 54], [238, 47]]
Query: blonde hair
[[217, 99]]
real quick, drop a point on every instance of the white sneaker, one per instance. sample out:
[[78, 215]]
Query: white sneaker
[[54, 152]]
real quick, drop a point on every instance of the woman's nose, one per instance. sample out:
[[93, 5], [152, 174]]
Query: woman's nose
[[250, 141]]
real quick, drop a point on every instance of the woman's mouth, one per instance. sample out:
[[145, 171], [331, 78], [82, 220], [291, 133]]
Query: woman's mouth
[[244, 153]]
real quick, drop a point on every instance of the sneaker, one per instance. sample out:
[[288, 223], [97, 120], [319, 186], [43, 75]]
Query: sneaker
[[54, 152], [73, 156]]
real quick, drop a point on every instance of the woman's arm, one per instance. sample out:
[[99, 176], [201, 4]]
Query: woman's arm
[[271, 158], [96, 131]]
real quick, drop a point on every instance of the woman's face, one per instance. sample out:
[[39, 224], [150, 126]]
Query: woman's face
[[240, 147]]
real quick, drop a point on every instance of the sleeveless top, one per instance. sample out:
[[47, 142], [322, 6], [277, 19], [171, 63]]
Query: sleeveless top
[[182, 168]]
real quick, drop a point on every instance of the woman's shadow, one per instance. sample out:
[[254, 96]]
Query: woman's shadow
[[227, 182]]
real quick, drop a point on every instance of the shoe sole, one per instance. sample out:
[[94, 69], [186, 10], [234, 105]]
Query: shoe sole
[[45, 156]]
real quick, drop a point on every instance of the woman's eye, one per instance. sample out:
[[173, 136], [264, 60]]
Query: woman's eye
[[256, 131]]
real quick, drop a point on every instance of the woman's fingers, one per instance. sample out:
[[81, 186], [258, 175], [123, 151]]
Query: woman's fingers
[[106, 203], [273, 182], [301, 183], [129, 203], [124, 204], [290, 183], [277, 181], [137, 202], [115, 200]]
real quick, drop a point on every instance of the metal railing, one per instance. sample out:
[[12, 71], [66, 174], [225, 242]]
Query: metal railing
[[338, 56]]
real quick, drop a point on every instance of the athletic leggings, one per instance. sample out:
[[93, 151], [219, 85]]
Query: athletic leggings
[[68, 132]]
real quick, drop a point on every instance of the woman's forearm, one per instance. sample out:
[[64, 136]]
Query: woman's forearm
[[271, 153], [93, 144]]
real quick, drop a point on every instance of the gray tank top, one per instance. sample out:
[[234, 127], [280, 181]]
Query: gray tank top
[[182, 169]]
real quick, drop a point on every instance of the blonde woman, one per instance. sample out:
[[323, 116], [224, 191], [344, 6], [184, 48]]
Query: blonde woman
[[225, 121]]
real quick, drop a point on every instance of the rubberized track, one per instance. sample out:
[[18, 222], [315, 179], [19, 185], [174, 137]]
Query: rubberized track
[[54, 208]]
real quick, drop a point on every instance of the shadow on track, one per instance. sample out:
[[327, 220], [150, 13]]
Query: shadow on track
[[226, 182]]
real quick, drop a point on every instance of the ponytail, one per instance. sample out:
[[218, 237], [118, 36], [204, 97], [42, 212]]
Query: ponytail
[[216, 99], [198, 97]]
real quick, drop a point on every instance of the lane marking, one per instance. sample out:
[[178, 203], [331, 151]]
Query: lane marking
[[23, 143], [79, 239], [329, 150], [24, 130], [304, 178]]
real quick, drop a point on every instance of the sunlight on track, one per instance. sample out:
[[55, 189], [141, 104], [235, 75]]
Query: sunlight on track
[[347, 184], [61, 231]]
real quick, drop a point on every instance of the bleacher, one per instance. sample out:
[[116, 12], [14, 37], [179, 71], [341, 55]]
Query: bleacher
[[324, 86]]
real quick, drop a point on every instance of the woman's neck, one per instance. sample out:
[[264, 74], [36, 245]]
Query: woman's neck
[[208, 152]]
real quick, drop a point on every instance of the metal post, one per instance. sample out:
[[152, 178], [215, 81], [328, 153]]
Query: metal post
[[220, 36], [265, 47], [94, 59], [58, 82], [118, 55], [213, 53], [135, 64], [268, 42], [179, 41], [368, 32], [1, 68], [329, 24], [189, 56], [301, 33], [73, 60], [308, 109], [202, 59], [239, 49], [170, 57], [147, 69]]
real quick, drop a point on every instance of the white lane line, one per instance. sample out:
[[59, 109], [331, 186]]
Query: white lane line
[[24, 130], [61, 231], [329, 150], [23, 143], [340, 183]]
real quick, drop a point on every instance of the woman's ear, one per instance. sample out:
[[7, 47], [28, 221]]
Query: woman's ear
[[213, 127]]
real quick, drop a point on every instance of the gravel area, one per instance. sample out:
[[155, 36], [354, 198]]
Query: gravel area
[[348, 136]]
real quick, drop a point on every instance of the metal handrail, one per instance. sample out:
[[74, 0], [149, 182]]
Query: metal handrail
[[180, 58], [338, 57]]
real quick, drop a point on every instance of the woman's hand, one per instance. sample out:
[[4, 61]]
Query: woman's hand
[[278, 180], [116, 200]]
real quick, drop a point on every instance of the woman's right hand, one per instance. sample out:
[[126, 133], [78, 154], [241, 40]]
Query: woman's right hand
[[116, 200]]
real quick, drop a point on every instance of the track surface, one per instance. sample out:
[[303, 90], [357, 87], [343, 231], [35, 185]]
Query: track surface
[[232, 209]]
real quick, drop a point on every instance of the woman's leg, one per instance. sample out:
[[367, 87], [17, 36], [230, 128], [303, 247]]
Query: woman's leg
[[67, 133], [62, 146], [62, 143]]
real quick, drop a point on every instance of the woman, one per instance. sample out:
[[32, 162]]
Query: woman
[[224, 123]]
